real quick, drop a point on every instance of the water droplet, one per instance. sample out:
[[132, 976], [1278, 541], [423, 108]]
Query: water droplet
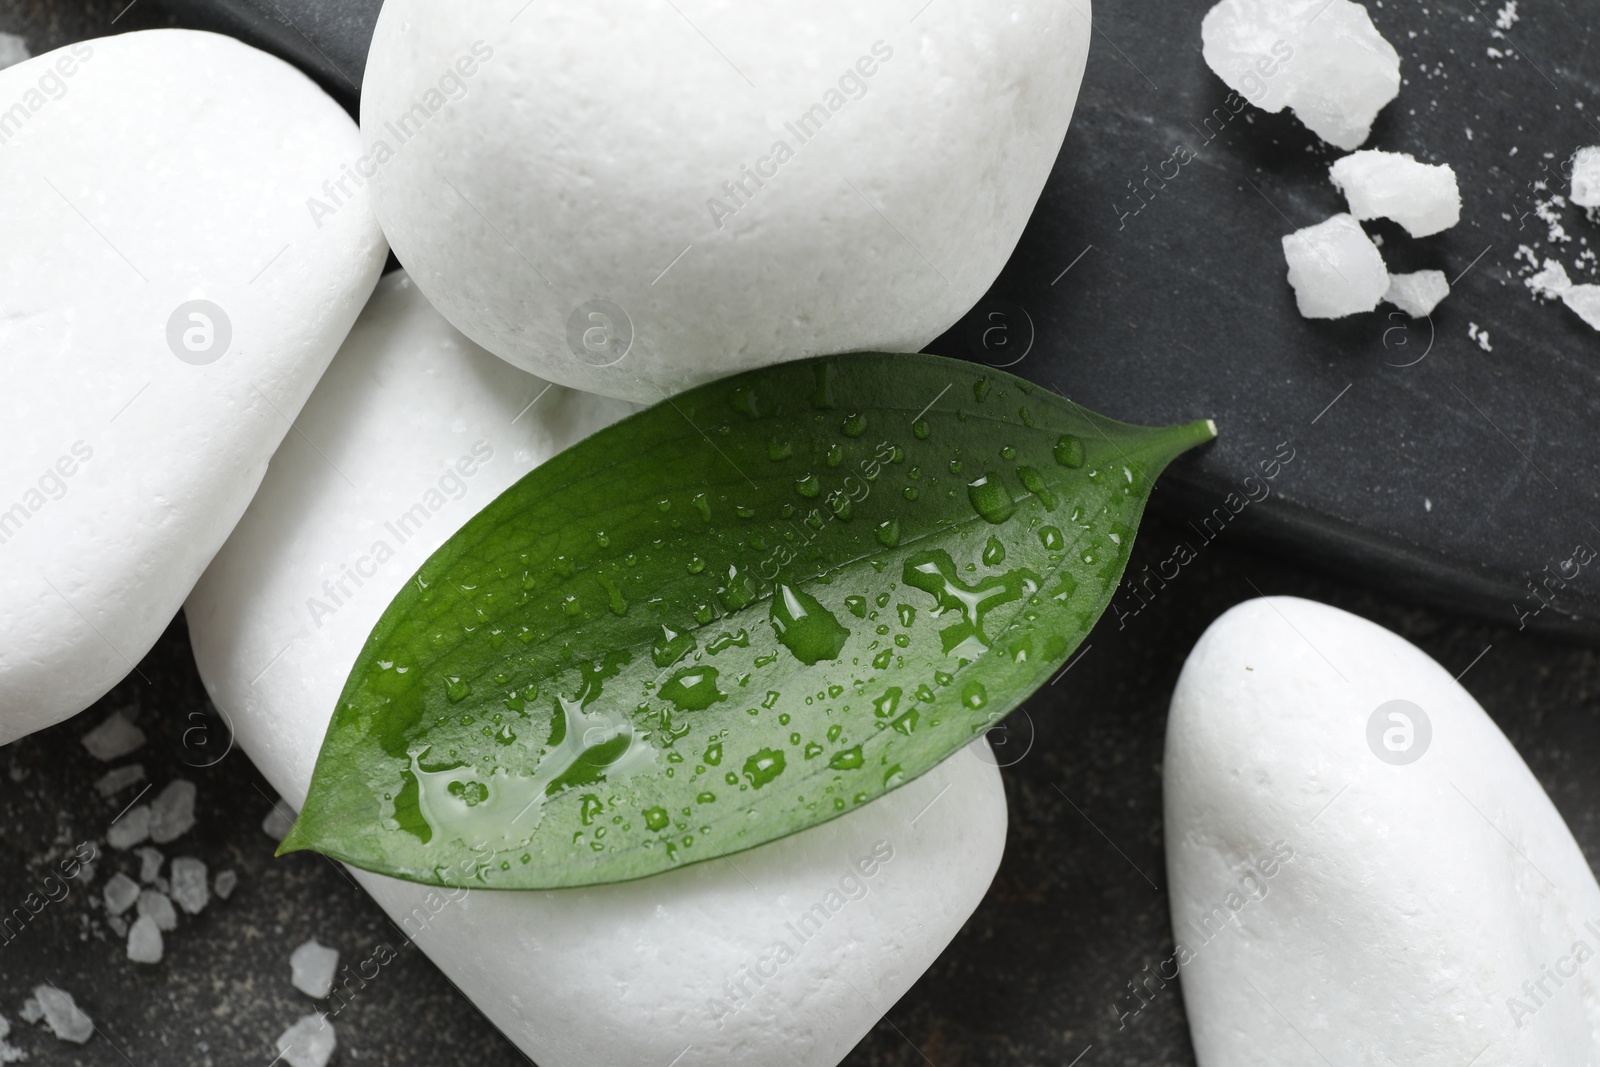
[[906, 723], [884, 707], [693, 689], [744, 400], [980, 389], [656, 818], [1007, 452], [603, 539], [703, 506], [744, 512], [847, 759], [955, 466], [725, 640], [1069, 451], [1034, 483], [857, 606], [835, 455], [456, 689], [571, 607], [1026, 416], [664, 504], [713, 754], [994, 553], [813, 750], [1050, 537], [888, 531], [696, 565], [881, 660], [854, 425], [990, 499], [808, 486], [738, 589], [670, 647], [910, 492], [807, 629], [619, 606], [779, 450], [921, 430], [764, 766], [974, 695]]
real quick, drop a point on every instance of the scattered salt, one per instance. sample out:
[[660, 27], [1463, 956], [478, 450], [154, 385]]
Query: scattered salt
[[13, 50], [1321, 58], [62, 1014], [9, 1053], [278, 823], [1480, 336], [1417, 293], [172, 812], [1551, 281], [225, 884], [158, 906], [117, 779], [1506, 17], [144, 941], [311, 968], [131, 828], [189, 890], [150, 861], [1422, 197], [120, 893], [114, 738], [1335, 269], [1586, 177], [308, 1043]]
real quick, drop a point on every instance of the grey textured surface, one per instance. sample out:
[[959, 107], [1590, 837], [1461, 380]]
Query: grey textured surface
[[1037, 976]]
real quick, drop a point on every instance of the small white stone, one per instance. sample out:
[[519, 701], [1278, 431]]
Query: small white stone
[[118, 924], [1422, 197], [130, 829], [189, 889], [62, 1014], [13, 50], [144, 941], [308, 1043], [150, 861], [32, 1010], [113, 738], [226, 882], [1360, 863], [312, 967], [1321, 58], [278, 822], [9, 1053], [1335, 269], [1585, 300], [1417, 293], [120, 893], [117, 779], [172, 812], [157, 906], [1586, 177]]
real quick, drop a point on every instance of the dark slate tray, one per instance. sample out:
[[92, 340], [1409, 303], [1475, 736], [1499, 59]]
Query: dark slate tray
[[1422, 463]]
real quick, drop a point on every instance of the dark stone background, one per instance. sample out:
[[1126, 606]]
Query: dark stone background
[[1031, 979]]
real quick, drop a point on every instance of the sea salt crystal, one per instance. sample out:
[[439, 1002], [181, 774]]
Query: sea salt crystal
[[62, 1014], [1417, 293], [1422, 197], [1480, 336], [1335, 269], [32, 1010], [13, 50], [120, 893], [150, 861], [1586, 177], [225, 884], [1585, 300], [117, 779], [278, 823], [189, 890], [1321, 58], [144, 941], [119, 925], [1551, 281], [172, 812], [308, 1043], [130, 829], [311, 968], [114, 738], [1506, 17], [158, 906]]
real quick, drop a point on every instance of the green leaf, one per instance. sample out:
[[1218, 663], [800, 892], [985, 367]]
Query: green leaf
[[742, 612]]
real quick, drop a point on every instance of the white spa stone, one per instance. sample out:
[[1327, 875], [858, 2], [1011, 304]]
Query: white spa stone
[[142, 172], [1422, 197], [1417, 293], [1383, 882], [527, 166], [1323, 59], [627, 973], [1335, 269]]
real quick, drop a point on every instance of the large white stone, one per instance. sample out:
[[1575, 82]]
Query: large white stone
[[530, 159], [1432, 913], [1422, 197], [142, 172], [629, 973], [1323, 59]]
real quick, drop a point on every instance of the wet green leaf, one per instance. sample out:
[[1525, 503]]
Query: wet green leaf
[[742, 612]]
